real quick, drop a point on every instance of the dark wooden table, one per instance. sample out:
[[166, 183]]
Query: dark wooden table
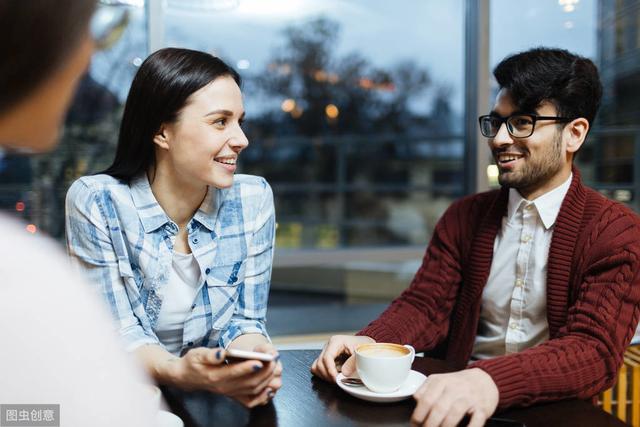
[[308, 401]]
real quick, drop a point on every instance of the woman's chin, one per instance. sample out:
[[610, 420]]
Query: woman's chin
[[222, 183]]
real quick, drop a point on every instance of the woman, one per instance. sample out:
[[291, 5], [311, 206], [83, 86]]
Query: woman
[[181, 250]]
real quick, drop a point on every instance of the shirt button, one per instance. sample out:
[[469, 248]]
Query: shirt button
[[207, 270], [195, 240], [193, 306], [519, 282], [526, 238], [190, 343], [513, 325]]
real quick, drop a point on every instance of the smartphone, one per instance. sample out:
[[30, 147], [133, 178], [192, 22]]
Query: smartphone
[[249, 355]]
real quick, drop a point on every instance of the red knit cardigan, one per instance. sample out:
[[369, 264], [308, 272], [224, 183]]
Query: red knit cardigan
[[593, 296]]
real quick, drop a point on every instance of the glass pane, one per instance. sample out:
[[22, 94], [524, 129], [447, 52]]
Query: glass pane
[[35, 187], [333, 116], [606, 32]]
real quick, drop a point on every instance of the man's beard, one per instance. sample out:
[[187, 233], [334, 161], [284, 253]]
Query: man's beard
[[536, 172]]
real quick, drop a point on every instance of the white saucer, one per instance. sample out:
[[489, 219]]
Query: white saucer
[[167, 419], [413, 382]]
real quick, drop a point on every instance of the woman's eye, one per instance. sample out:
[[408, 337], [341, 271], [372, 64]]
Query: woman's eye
[[220, 122]]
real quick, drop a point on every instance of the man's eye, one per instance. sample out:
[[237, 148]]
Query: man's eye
[[495, 123], [521, 121]]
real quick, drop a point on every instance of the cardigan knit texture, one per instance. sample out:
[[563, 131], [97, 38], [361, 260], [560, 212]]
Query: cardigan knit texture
[[593, 296]]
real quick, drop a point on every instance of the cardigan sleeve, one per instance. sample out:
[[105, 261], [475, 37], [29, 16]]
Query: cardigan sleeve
[[584, 358], [420, 315]]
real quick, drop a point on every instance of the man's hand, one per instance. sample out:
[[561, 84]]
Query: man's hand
[[444, 399], [325, 365]]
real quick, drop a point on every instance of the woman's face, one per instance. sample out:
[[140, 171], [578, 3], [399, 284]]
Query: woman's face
[[203, 144]]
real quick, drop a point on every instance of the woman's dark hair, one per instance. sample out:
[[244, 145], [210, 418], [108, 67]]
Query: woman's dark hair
[[158, 93], [37, 38], [569, 81]]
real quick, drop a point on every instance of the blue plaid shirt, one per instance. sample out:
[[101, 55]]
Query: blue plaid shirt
[[121, 237]]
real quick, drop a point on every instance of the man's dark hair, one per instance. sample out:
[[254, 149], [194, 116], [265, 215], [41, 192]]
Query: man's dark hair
[[568, 81], [159, 92], [36, 38]]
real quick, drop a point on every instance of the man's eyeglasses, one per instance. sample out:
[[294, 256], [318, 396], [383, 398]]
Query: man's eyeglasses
[[109, 22], [518, 125]]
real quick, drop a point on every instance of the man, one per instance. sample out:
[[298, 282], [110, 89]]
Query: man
[[58, 345], [532, 288]]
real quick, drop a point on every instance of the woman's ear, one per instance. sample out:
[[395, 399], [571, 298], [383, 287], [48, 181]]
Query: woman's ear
[[576, 132], [161, 138]]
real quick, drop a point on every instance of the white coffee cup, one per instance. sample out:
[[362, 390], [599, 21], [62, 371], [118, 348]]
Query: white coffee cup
[[384, 367]]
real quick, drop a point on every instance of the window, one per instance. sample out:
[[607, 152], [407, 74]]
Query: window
[[353, 111], [34, 188]]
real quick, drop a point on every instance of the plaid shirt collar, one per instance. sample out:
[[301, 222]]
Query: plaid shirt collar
[[153, 216]]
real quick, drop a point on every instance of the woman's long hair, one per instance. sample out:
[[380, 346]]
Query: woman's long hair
[[158, 93]]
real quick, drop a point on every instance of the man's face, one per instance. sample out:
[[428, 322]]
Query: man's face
[[532, 165]]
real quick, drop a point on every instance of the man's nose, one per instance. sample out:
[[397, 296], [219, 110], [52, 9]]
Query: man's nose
[[502, 137]]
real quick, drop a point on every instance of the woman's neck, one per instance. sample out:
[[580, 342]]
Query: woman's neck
[[179, 199]]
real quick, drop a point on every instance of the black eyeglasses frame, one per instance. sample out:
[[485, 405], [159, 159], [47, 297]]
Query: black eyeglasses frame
[[505, 120]]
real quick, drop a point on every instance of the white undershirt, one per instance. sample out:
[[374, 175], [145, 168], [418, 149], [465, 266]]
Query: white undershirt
[[178, 296], [513, 316]]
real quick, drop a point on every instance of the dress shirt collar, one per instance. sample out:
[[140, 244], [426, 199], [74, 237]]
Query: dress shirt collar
[[548, 205]]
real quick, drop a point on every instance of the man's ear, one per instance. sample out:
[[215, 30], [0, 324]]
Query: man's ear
[[161, 137], [575, 134]]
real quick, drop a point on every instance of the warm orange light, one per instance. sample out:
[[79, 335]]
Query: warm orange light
[[333, 78], [366, 83], [288, 105], [389, 87], [320, 76], [296, 113], [31, 228], [20, 206], [331, 111]]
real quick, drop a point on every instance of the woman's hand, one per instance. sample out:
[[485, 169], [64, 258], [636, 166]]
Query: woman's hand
[[205, 369], [271, 385]]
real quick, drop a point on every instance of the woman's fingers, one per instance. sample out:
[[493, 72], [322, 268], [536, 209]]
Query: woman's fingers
[[251, 401], [206, 356]]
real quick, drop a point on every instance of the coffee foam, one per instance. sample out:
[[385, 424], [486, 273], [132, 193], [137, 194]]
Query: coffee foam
[[383, 350]]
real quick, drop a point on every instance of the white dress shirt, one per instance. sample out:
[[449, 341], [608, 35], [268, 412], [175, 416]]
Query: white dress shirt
[[513, 315]]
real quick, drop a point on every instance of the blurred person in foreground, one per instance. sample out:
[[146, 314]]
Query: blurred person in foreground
[[179, 246], [58, 346], [532, 290]]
